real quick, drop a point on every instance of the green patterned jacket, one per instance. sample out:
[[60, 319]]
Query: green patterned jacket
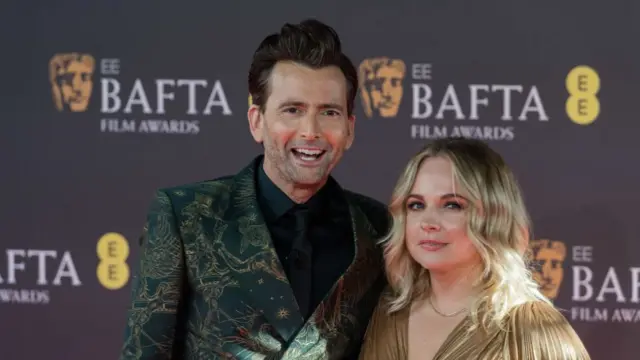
[[210, 284]]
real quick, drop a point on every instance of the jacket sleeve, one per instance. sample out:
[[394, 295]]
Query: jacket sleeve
[[152, 316]]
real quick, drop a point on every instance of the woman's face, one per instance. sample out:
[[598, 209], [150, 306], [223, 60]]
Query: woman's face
[[437, 215]]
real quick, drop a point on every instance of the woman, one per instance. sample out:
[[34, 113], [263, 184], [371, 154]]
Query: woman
[[459, 285]]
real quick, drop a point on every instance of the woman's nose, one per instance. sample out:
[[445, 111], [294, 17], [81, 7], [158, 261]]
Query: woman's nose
[[429, 225]]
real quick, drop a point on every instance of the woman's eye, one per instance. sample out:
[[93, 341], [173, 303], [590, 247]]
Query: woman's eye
[[414, 205], [453, 205]]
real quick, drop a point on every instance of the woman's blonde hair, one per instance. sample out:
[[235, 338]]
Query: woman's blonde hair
[[498, 227]]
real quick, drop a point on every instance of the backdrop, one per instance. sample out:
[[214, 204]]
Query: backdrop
[[105, 101]]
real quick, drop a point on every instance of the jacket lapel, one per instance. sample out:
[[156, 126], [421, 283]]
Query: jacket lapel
[[337, 318], [252, 258], [360, 275]]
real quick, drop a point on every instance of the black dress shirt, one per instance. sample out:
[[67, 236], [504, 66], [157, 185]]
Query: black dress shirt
[[329, 232]]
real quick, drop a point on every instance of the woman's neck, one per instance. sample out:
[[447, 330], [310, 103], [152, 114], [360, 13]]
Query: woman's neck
[[453, 290]]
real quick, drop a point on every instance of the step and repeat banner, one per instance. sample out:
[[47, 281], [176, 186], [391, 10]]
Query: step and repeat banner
[[105, 102]]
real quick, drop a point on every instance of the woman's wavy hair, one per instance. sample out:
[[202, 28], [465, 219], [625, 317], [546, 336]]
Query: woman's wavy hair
[[498, 226]]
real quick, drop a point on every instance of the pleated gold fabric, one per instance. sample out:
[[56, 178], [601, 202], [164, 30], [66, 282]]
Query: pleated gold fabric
[[532, 331]]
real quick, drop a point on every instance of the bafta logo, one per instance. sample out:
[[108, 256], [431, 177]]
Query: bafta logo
[[71, 77], [548, 257], [381, 86]]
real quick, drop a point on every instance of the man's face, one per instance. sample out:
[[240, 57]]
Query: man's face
[[305, 127]]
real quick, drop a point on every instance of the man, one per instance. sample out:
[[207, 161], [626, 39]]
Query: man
[[276, 262]]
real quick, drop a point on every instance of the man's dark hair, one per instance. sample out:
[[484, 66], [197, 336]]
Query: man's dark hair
[[311, 43]]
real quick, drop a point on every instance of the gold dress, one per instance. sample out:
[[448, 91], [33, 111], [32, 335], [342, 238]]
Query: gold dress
[[531, 331]]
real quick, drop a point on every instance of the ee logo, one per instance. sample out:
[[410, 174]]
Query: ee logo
[[583, 105], [113, 251]]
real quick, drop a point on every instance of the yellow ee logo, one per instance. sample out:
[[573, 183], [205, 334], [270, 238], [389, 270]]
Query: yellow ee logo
[[583, 105], [113, 251]]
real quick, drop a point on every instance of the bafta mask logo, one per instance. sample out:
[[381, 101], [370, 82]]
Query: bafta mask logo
[[71, 77], [548, 257], [381, 86]]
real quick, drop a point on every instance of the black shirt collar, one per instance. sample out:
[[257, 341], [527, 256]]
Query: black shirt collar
[[274, 203]]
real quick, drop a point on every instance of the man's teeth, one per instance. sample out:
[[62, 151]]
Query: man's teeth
[[309, 152]]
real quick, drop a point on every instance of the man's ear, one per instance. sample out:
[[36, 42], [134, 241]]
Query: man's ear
[[256, 122], [351, 126]]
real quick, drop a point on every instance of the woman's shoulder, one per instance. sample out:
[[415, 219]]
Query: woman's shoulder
[[386, 334], [383, 309], [536, 312], [542, 331]]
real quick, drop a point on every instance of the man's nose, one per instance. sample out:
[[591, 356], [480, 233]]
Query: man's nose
[[309, 127]]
